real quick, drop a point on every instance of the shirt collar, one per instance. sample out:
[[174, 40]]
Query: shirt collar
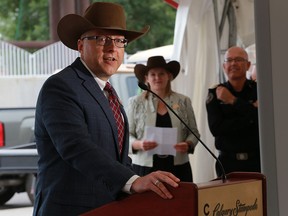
[[100, 82]]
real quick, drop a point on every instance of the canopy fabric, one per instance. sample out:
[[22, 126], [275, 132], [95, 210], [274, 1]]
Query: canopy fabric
[[195, 36], [244, 11], [200, 52]]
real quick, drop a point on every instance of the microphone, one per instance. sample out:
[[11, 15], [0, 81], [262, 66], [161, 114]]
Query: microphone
[[146, 88]]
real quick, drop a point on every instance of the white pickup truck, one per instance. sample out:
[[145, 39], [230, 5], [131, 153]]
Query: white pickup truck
[[18, 154], [17, 133]]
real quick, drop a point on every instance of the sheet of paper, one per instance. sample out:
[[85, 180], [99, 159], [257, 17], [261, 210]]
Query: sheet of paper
[[166, 138]]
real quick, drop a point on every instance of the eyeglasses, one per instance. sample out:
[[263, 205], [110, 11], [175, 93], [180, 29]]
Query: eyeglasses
[[105, 40], [236, 60]]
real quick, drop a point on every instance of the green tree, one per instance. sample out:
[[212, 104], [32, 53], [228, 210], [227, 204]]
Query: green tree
[[25, 20], [28, 20]]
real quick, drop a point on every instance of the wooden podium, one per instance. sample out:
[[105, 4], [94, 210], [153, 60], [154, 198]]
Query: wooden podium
[[241, 194]]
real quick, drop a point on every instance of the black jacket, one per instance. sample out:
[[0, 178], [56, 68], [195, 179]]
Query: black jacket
[[76, 134], [235, 127]]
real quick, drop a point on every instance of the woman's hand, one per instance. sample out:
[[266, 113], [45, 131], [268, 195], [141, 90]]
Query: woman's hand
[[182, 147], [144, 145]]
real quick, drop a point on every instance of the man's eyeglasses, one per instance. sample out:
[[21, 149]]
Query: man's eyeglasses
[[105, 40], [236, 60]]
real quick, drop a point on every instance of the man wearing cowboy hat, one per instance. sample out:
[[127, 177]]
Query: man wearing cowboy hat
[[84, 160], [147, 110]]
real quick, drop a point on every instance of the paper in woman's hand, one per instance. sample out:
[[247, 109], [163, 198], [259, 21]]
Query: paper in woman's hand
[[166, 138]]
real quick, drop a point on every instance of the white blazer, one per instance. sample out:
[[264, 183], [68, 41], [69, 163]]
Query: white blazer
[[142, 112]]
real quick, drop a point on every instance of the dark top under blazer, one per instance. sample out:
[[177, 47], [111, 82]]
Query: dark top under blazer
[[79, 167]]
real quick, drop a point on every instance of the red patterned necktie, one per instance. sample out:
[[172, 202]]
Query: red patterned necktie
[[115, 106]]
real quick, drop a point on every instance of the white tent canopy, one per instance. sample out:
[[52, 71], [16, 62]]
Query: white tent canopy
[[199, 49], [195, 36]]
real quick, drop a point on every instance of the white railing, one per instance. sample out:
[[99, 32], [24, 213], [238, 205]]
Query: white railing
[[17, 62]]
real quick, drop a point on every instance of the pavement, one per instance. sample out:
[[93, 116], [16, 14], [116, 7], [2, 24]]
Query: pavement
[[19, 205]]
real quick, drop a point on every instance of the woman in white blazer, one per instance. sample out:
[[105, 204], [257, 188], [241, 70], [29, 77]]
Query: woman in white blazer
[[147, 110]]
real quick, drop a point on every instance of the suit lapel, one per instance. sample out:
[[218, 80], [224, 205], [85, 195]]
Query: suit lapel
[[93, 88]]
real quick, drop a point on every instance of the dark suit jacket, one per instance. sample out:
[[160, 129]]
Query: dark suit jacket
[[79, 167]]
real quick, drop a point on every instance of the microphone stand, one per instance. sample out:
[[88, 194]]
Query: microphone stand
[[145, 87]]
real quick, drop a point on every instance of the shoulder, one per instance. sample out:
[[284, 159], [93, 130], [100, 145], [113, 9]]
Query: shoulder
[[58, 78], [252, 83], [137, 99], [210, 97], [250, 86], [212, 93], [175, 96], [214, 86]]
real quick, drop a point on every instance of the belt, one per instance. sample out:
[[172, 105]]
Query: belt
[[241, 156]]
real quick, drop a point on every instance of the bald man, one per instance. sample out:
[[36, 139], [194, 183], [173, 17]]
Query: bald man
[[232, 109]]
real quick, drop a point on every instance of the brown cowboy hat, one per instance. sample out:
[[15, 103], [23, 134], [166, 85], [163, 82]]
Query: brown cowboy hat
[[141, 70], [99, 15]]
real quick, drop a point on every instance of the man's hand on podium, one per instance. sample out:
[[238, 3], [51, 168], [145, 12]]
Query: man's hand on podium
[[156, 181]]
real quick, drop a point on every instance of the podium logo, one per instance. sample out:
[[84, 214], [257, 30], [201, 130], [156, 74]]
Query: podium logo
[[221, 210]]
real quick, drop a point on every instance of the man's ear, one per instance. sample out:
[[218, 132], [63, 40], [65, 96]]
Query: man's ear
[[80, 45]]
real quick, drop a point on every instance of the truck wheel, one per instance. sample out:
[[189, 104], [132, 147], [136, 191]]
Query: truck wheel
[[30, 187], [6, 194]]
